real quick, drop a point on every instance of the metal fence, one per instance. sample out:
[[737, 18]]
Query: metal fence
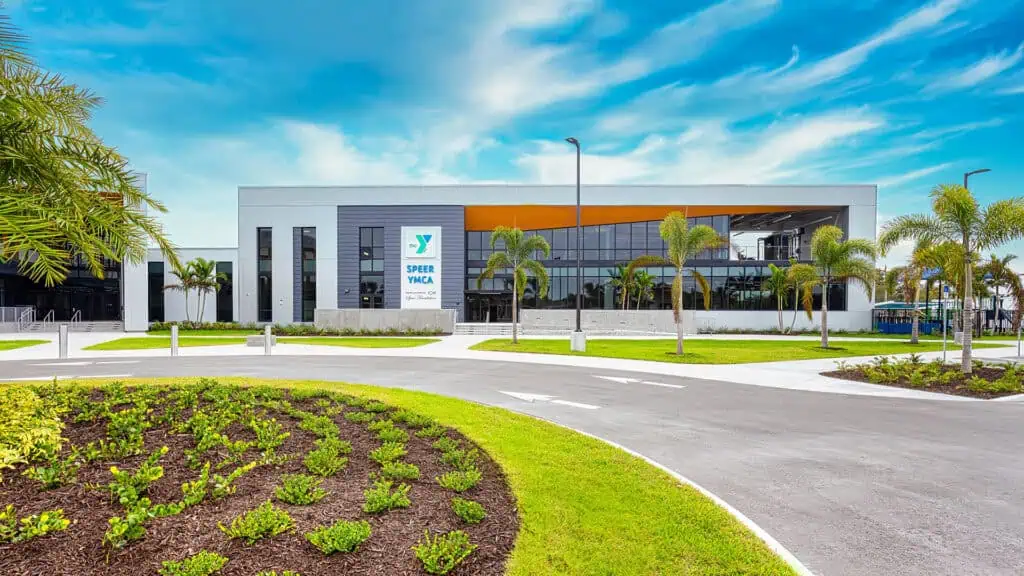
[[12, 314]]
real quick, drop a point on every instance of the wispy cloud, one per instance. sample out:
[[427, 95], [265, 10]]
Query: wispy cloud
[[957, 129], [898, 179], [978, 72]]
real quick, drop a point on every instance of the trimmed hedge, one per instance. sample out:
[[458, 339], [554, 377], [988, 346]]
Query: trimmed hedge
[[287, 329]]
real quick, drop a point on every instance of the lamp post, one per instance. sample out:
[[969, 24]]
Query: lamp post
[[578, 340], [964, 318], [973, 172]]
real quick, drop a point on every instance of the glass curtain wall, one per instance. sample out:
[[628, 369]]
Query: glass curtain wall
[[371, 267], [264, 279]]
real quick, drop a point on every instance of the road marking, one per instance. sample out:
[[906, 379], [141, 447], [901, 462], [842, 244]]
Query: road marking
[[63, 377], [575, 404], [528, 397], [119, 362], [62, 364], [622, 380]]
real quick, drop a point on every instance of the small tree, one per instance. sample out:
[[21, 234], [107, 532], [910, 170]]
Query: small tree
[[778, 285], [683, 243], [802, 277], [518, 257], [206, 280], [643, 283], [622, 279], [186, 284], [835, 259], [908, 280], [1001, 275]]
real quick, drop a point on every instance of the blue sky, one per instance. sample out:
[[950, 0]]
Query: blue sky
[[205, 96]]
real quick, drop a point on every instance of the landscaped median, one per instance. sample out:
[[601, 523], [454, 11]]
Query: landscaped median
[[711, 351], [157, 342], [580, 506], [15, 344]]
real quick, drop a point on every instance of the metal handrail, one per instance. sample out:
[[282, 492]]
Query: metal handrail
[[27, 317], [76, 317], [49, 318]]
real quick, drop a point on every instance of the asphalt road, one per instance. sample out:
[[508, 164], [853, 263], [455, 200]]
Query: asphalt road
[[852, 485]]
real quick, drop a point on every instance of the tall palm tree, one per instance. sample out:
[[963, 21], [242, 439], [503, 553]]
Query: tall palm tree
[[1002, 275], [956, 217], [205, 279], [804, 277], [643, 283], [836, 259], [622, 279], [186, 283], [778, 285], [64, 194], [683, 243], [518, 257], [909, 277]]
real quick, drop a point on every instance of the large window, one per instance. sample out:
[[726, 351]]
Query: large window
[[156, 291], [264, 285], [308, 262], [225, 300], [371, 267]]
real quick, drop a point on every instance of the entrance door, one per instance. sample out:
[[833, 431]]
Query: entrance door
[[488, 307]]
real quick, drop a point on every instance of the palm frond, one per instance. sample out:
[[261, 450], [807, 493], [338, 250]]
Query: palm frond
[[537, 270], [705, 288], [911, 227], [1001, 221]]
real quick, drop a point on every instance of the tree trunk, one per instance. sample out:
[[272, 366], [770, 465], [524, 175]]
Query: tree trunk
[[997, 322], [968, 314], [679, 317], [781, 324], [515, 310], [915, 326], [188, 317], [796, 308], [824, 314]]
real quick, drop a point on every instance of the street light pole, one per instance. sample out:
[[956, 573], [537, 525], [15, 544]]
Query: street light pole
[[578, 340], [964, 312], [973, 172]]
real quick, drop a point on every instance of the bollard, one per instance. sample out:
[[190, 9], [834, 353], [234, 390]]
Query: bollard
[[266, 340], [174, 340], [62, 344]]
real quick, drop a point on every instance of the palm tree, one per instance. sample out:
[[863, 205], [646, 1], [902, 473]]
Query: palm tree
[[518, 257], [186, 283], [956, 217], [778, 285], [836, 259], [805, 277], [683, 243], [622, 279], [205, 279], [64, 194], [1002, 275], [909, 278], [643, 283]]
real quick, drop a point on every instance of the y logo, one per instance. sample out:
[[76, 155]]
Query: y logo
[[423, 240]]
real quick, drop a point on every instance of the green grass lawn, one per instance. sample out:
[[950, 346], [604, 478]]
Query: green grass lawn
[[356, 342], [153, 342], [949, 336], [15, 344], [704, 351], [585, 507]]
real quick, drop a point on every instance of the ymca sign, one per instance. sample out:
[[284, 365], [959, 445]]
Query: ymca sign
[[421, 267]]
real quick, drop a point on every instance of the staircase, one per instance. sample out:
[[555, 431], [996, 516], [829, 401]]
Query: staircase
[[52, 327], [485, 329]]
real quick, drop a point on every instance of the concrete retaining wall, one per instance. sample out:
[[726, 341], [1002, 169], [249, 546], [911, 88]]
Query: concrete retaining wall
[[385, 319], [660, 321]]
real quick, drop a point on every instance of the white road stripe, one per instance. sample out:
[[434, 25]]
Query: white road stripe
[[119, 362], [575, 404], [62, 364], [623, 380], [662, 384]]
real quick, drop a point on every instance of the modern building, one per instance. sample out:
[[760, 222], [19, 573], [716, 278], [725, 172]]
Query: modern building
[[307, 248]]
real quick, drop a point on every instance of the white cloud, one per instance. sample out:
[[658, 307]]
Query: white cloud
[[898, 179], [979, 72], [957, 129]]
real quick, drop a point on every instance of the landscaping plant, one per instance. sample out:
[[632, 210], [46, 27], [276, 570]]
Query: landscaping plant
[[12, 530], [469, 511], [388, 452], [399, 471], [380, 498], [442, 553], [300, 489], [203, 563], [266, 521], [459, 480], [342, 536]]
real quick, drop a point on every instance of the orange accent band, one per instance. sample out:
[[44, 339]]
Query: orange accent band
[[534, 217]]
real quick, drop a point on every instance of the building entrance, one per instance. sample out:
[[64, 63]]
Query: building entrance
[[488, 306]]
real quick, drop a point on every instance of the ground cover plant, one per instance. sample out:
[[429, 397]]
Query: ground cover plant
[[985, 380], [715, 351], [235, 329], [201, 478]]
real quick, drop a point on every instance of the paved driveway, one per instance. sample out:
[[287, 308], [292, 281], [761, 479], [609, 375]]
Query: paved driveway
[[852, 485]]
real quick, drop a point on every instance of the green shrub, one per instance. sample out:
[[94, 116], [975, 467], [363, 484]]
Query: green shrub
[[918, 379], [446, 444], [30, 427], [127, 488], [224, 486], [342, 536], [396, 435], [461, 459], [399, 471], [411, 419], [14, 531], [325, 461], [359, 417], [1003, 385], [442, 553], [269, 433], [322, 426], [57, 471], [299, 394], [266, 521], [335, 444], [471, 512], [380, 498], [378, 425], [388, 452], [201, 564], [131, 527], [300, 489], [375, 407], [431, 431], [194, 491], [459, 480]]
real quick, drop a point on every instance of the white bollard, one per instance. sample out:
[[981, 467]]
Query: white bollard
[[266, 340], [174, 340], [62, 341]]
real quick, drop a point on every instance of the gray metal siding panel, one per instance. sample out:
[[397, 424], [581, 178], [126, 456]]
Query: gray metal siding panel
[[451, 219], [296, 274]]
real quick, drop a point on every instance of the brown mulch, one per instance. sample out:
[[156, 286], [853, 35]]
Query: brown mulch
[[79, 550], [958, 387]]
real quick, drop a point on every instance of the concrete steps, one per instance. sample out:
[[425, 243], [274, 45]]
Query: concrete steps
[[53, 327]]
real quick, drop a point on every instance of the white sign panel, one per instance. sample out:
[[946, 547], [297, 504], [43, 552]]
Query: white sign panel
[[421, 267]]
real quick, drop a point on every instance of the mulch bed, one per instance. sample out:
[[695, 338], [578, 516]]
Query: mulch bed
[[79, 550], [958, 387]]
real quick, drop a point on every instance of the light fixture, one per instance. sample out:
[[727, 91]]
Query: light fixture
[[786, 217]]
